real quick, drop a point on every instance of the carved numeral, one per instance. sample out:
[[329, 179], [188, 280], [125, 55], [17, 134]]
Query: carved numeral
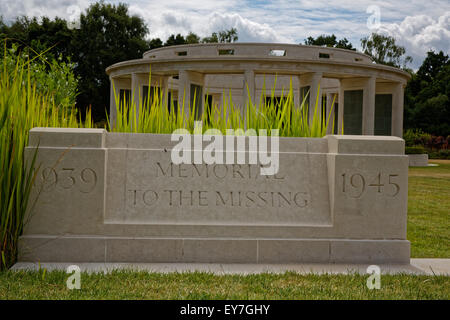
[[378, 184], [397, 187], [68, 178], [355, 185], [89, 180], [49, 178]]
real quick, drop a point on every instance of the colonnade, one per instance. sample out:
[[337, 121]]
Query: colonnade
[[369, 86]]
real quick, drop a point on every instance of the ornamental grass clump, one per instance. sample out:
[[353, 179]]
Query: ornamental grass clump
[[156, 115], [22, 107]]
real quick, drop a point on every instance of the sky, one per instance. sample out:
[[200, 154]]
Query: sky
[[419, 26]]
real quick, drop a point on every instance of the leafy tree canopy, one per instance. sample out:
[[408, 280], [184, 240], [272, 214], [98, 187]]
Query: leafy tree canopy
[[155, 43], [175, 40], [107, 35], [384, 50], [329, 41], [427, 103], [192, 38], [224, 36]]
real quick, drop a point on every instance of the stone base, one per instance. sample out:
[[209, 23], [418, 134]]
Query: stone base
[[237, 268], [119, 198], [37, 248], [418, 160]]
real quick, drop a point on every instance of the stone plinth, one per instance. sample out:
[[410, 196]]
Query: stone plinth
[[116, 197], [418, 160]]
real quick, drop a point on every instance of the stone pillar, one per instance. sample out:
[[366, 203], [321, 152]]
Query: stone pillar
[[164, 84], [397, 110], [184, 91], [314, 91], [135, 93], [313, 81], [368, 112], [330, 108], [112, 101], [341, 124], [249, 81]]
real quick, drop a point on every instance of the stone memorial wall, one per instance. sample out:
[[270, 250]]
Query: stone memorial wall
[[117, 197]]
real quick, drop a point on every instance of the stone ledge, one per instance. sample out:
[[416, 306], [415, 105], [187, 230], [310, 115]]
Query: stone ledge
[[186, 250], [240, 269], [67, 137]]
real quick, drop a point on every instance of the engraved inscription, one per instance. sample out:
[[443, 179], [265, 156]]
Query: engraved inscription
[[206, 198], [187, 197], [149, 188], [355, 185], [84, 180]]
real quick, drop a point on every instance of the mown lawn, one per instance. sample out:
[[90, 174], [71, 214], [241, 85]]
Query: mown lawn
[[429, 210], [142, 285], [428, 231]]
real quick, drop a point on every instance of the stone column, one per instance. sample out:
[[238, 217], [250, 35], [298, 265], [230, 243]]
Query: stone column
[[112, 101], [184, 91], [341, 124], [330, 108], [397, 110], [314, 91], [368, 112], [249, 81], [164, 84], [135, 93]]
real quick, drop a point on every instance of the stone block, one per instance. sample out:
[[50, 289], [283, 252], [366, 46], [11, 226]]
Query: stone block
[[418, 160], [117, 197]]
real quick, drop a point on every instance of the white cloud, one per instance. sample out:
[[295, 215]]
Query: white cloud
[[416, 24], [164, 21], [421, 33], [10, 9], [249, 31]]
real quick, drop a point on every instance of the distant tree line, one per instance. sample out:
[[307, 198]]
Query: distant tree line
[[427, 103], [109, 34]]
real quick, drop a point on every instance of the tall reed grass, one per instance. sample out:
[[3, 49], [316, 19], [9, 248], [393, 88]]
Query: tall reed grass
[[22, 107], [155, 116]]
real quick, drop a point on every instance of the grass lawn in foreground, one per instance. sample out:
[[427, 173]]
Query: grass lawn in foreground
[[142, 285], [429, 210], [428, 231]]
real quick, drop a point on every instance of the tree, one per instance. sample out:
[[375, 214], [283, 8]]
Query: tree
[[432, 65], [40, 36], [224, 36], [384, 50], [427, 103], [108, 34], [175, 40], [192, 38], [3, 27], [214, 38], [329, 41], [155, 43], [228, 35]]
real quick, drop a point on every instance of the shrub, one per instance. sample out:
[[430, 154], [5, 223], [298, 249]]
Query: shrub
[[22, 107], [51, 77], [416, 137], [441, 154], [415, 150]]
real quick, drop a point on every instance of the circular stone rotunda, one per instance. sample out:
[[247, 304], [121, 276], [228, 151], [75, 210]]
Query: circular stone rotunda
[[368, 97]]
